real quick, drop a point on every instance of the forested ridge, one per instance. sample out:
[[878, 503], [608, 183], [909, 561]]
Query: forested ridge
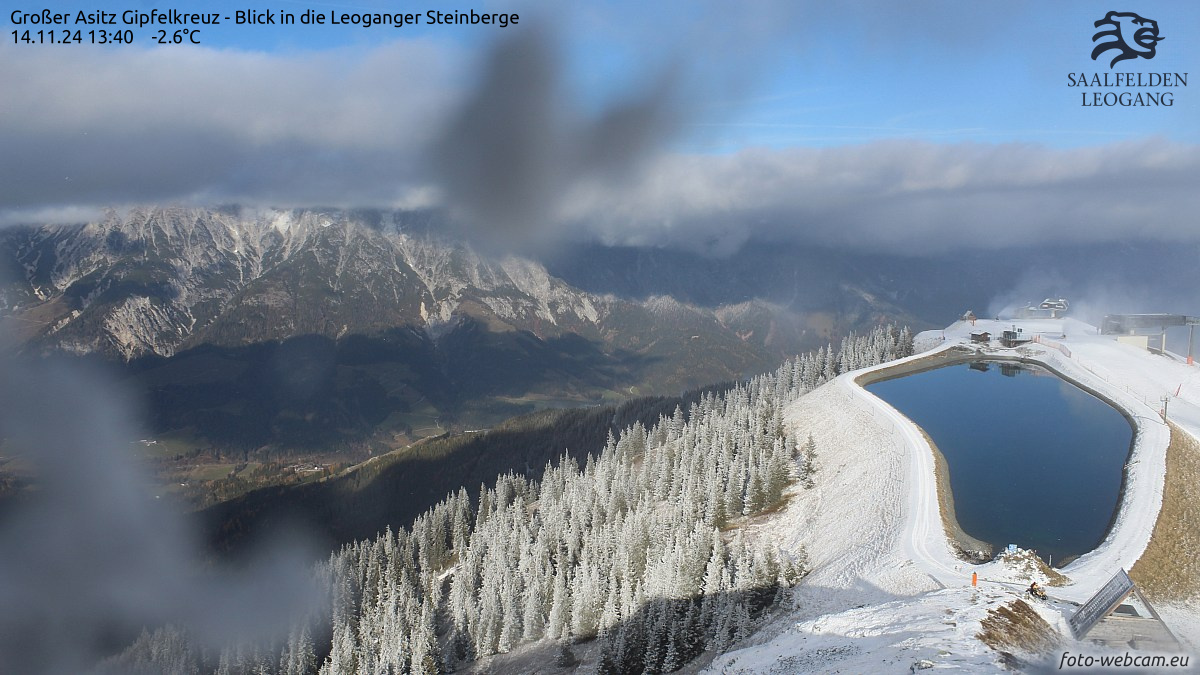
[[637, 549], [395, 488]]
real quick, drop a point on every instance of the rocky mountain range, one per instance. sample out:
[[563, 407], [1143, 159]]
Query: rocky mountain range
[[252, 327], [247, 328]]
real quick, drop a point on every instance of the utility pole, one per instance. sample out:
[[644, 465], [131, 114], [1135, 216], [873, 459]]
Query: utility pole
[[1165, 400]]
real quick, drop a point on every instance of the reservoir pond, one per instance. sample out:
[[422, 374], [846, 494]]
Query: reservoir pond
[[1033, 459]]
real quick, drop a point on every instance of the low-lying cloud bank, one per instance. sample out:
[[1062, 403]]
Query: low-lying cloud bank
[[506, 147], [906, 197]]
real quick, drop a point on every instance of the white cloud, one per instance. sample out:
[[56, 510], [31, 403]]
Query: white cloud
[[904, 196], [87, 127], [505, 143]]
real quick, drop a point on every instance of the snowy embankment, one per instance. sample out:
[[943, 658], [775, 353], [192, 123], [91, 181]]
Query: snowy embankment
[[886, 586]]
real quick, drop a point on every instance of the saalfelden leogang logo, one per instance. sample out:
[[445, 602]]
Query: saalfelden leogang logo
[[1126, 37]]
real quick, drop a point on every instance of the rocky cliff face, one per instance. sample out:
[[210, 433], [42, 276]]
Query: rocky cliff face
[[154, 281], [261, 327]]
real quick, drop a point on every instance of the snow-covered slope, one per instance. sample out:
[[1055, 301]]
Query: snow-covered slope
[[153, 280], [161, 281], [887, 591]]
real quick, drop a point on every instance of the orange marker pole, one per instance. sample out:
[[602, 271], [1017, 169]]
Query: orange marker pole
[[974, 578]]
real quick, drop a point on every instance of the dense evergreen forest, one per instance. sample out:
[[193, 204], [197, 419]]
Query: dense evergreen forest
[[393, 489], [635, 549]]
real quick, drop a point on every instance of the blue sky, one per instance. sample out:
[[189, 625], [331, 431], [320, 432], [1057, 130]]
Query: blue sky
[[989, 72], [343, 115], [989, 76]]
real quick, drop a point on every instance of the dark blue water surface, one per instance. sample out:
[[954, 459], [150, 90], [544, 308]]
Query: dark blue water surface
[[1034, 460]]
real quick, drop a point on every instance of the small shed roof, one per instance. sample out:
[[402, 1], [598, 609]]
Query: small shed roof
[[1096, 621]]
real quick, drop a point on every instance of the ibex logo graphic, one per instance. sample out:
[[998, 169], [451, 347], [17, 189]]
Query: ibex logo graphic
[[1128, 32]]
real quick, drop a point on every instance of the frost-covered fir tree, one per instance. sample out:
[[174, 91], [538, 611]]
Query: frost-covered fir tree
[[639, 549]]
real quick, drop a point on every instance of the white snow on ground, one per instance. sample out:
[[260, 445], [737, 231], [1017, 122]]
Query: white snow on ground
[[886, 589], [937, 628]]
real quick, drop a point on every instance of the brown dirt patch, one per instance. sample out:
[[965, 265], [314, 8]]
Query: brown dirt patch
[[1169, 570], [1016, 627]]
